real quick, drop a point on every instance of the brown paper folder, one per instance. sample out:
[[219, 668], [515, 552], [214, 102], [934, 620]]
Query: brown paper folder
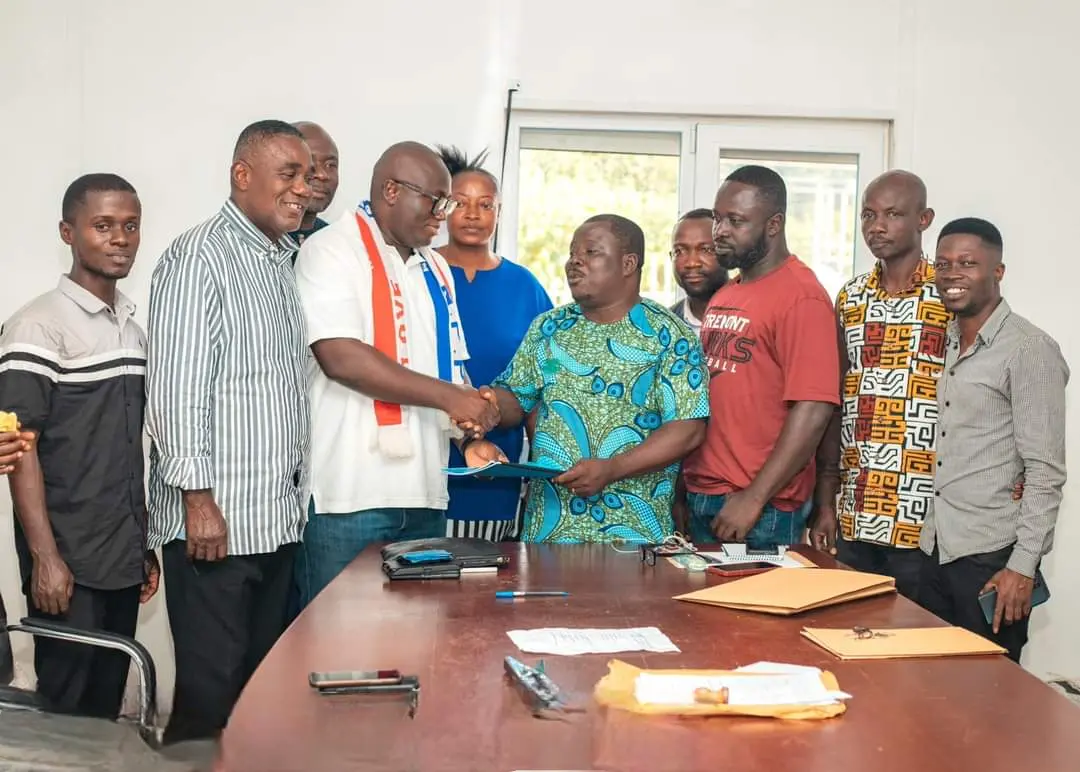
[[786, 591], [901, 643]]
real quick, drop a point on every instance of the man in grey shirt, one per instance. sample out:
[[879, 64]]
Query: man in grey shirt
[[1001, 416]]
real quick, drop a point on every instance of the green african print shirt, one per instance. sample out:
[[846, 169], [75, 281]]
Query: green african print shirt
[[602, 389]]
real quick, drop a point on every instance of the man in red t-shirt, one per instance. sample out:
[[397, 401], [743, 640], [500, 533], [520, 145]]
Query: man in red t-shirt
[[769, 339]]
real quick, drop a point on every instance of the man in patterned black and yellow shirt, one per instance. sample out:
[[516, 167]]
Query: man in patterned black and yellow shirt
[[876, 463]]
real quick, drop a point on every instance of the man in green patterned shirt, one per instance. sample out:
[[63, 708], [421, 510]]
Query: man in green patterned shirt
[[620, 393]]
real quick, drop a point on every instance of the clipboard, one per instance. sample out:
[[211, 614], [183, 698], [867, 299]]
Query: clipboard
[[496, 471], [784, 593], [901, 643]]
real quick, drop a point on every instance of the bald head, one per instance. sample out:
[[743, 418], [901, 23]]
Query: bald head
[[903, 181], [324, 177], [406, 161], [407, 182], [894, 216]]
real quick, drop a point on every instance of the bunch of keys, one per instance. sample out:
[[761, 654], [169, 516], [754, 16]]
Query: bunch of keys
[[541, 693]]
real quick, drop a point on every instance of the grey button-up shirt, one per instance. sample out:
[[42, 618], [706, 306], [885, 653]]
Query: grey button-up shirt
[[227, 405], [1001, 416]]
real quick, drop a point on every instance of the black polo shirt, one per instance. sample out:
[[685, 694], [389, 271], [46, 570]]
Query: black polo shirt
[[73, 370]]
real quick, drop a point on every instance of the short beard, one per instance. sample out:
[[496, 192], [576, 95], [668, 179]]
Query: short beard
[[709, 291], [751, 257]]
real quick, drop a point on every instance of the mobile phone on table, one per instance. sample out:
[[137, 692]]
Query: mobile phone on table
[[340, 679], [419, 557], [773, 550], [742, 569]]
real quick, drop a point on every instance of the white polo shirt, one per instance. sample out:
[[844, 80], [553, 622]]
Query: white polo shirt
[[348, 472]]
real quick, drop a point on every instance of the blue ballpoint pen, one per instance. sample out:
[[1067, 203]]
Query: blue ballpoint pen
[[530, 593]]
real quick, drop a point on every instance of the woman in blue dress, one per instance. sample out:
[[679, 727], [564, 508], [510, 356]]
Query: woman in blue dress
[[497, 299]]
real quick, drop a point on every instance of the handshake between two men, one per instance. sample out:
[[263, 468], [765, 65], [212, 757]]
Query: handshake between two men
[[477, 411]]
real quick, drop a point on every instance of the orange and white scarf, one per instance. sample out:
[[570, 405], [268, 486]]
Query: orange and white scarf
[[390, 318]]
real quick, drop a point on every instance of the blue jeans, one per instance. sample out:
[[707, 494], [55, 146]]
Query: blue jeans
[[775, 527], [331, 542]]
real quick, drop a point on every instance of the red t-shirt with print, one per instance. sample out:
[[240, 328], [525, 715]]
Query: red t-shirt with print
[[768, 343]]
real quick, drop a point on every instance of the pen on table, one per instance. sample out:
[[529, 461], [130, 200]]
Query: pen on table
[[530, 593], [481, 570]]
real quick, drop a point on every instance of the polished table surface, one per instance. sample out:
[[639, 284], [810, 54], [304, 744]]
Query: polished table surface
[[977, 714]]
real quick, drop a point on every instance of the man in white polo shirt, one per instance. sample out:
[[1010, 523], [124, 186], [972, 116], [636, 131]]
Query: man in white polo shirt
[[388, 385]]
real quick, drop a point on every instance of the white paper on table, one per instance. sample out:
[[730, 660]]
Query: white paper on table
[[569, 641], [776, 667], [736, 553], [803, 688]]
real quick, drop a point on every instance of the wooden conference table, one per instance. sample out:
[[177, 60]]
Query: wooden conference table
[[977, 714]]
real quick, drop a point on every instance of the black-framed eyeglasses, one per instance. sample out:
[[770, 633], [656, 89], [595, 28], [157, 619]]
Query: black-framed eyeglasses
[[440, 205], [650, 551]]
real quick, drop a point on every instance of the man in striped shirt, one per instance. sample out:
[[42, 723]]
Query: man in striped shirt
[[227, 415], [1001, 416]]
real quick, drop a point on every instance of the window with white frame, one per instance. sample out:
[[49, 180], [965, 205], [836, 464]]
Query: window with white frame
[[564, 168]]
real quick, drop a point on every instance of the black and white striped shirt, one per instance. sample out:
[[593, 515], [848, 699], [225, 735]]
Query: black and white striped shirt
[[227, 405], [1001, 416], [72, 368]]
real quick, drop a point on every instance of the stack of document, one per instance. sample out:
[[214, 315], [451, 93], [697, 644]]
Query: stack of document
[[773, 685], [792, 592], [567, 641], [901, 643]]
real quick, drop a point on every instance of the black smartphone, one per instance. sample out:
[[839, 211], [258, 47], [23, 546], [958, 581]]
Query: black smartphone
[[1040, 593], [773, 550]]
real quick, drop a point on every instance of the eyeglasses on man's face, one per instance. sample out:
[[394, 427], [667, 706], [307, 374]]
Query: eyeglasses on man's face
[[440, 205], [681, 251]]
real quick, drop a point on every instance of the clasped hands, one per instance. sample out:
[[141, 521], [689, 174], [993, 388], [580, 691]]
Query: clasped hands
[[476, 412]]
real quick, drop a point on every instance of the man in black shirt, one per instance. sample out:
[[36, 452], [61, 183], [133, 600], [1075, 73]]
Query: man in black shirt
[[72, 367]]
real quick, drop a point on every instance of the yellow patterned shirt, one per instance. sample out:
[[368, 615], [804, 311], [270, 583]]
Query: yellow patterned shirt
[[895, 351]]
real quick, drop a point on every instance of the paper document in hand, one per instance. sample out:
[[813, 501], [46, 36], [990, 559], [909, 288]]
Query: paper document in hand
[[568, 641], [790, 592], [797, 688], [496, 469], [901, 643]]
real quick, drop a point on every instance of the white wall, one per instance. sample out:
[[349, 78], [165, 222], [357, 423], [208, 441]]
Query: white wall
[[158, 91]]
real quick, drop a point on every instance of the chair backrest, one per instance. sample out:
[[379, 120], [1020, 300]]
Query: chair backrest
[[7, 662]]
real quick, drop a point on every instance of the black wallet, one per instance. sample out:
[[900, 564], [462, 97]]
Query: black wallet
[[464, 553], [396, 568]]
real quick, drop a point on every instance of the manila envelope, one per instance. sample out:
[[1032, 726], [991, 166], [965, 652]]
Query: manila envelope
[[786, 592], [901, 643], [616, 690]]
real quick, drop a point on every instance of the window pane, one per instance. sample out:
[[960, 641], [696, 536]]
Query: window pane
[[821, 212], [560, 189]]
